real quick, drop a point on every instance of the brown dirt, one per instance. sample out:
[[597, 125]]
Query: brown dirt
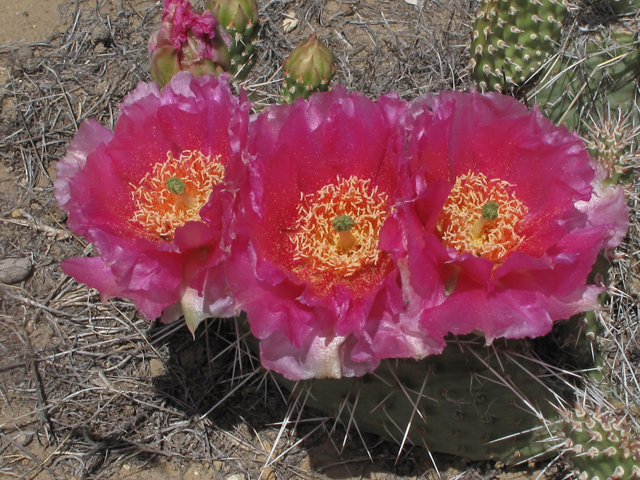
[[89, 390]]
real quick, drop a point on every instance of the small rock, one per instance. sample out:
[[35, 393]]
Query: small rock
[[156, 367], [290, 22], [237, 476], [101, 35], [15, 270], [218, 465], [23, 439]]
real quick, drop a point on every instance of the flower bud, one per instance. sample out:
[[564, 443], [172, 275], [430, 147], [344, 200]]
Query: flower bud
[[240, 21], [309, 69], [186, 40]]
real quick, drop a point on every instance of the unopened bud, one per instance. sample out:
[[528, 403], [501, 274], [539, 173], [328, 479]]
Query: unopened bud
[[241, 24], [186, 40], [309, 69]]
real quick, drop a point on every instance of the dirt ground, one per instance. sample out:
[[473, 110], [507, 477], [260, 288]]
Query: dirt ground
[[91, 390]]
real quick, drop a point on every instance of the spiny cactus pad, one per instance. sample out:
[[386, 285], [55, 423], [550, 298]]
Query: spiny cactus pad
[[592, 88], [612, 138], [600, 445], [473, 401], [512, 39]]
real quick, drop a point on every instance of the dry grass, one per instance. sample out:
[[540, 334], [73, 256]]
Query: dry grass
[[89, 390]]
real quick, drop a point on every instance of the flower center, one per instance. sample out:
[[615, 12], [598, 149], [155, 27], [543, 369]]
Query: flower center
[[482, 216], [174, 192], [338, 226]]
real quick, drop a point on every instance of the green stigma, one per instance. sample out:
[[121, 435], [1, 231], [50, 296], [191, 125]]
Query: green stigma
[[343, 223], [175, 185], [490, 211]]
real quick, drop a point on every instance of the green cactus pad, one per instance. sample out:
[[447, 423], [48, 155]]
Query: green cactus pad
[[592, 88], [512, 40], [477, 402], [601, 445]]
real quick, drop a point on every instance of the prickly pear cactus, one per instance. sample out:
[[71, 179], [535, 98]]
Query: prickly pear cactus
[[612, 138], [596, 72], [592, 88], [239, 19], [511, 402], [512, 40], [587, 81], [309, 69], [600, 445], [473, 401]]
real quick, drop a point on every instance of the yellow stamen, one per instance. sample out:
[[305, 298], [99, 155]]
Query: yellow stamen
[[174, 192], [320, 245], [482, 216]]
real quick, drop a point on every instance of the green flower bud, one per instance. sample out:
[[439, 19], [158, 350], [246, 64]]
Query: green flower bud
[[241, 24], [309, 69]]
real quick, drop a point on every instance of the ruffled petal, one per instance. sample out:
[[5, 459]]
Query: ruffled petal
[[193, 130], [565, 219], [296, 151]]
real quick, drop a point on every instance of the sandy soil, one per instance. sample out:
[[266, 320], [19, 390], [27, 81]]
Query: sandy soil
[[27, 21]]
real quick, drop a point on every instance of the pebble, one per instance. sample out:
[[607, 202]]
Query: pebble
[[156, 367], [23, 439], [237, 476], [15, 270]]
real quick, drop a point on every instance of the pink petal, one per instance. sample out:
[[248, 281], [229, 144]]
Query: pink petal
[[96, 178]]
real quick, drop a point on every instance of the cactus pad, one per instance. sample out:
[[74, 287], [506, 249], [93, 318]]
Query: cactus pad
[[512, 39], [601, 445], [477, 402]]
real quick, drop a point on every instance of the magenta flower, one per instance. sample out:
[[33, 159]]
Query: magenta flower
[[186, 41], [136, 195], [508, 218], [305, 264]]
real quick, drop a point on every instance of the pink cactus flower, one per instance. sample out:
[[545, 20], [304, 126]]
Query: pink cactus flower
[[136, 194], [305, 264], [186, 41], [507, 218]]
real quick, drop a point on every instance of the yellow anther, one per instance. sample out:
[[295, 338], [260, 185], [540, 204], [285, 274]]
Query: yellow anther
[[174, 191], [320, 244], [482, 216]]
